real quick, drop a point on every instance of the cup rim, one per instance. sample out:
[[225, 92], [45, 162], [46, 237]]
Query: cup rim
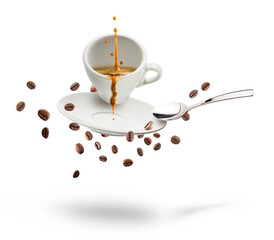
[[143, 62]]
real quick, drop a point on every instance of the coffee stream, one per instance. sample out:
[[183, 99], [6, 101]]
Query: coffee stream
[[114, 73]]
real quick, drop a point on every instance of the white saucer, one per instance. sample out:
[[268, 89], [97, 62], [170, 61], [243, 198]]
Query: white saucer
[[92, 112]]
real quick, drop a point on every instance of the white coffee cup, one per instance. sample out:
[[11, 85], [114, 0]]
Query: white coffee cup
[[131, 52]]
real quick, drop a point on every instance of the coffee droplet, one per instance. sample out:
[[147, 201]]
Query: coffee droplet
[[74, 126], [93, 89], [140, 152], [149, 125], [130, 136], [76, 174], [175, 140], [106, 41], [157, 146], [20, 106], [31, 85], [44, 114], [69, 107], [103, 158], [205, 86], [74, 86], [127, 162], [186, 116], [114, 149], [88, 135], [45, 132], [193, 93], [79, 148]]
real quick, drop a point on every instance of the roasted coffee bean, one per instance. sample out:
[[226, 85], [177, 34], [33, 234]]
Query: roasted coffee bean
[[93, 89], [104, 135], [175, 140], [130, 136], [205, 86], [193, 93], [76, 174], [157, 146], [79, 148], [127, 162], [20, 106], [43, 114], [31, 85], [97, 145], [88, 135], [103, 158], [114, 149], [140, 152], [74, 126], [140, 136], [69, 106], [186, 116], [149, 125], [147, 141], [45, 132], [156, 135], [74, 86]]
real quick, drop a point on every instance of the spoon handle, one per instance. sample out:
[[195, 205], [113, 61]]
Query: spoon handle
[[227, 96]]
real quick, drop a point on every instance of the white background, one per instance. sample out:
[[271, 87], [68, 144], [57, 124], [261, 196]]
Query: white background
[[216, 184]]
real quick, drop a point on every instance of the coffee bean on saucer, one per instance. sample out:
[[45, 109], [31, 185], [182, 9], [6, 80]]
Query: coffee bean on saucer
[[149, 125], [20, 106], [93, 89], [69, 107], [140, 152], [97, 145], [31, 85], [205, 86], [186, 116], [104, 135], [88, 135], [157, 146], [140, 136], [76, 174], [147, 141], [45, 132], [127, 162], [130, 136], [79, 148], [74, 86], [175, 140], [193, 93], [114, 149], [74, 126], [156, 135], [103, 158], [43, 114]]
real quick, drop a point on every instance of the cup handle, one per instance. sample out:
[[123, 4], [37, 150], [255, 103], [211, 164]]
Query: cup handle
[[152, 67]]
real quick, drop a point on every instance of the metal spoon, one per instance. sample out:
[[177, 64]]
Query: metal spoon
[[171, 111]]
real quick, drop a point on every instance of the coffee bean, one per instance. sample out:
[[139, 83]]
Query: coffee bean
[[147, 141], [205, 86], [157, 146], [20, 106], [193, 93], [31, 85], [76, 174], [114, 149], [175, 140], [140, 136], [127, 162], [88, 135], [149, 125], [140, 152], [93, 89], [104, 135], [156, 135], [186, 116], [97, 145], [74, 126], [69, 106], [74, 86], [103, 158], [130, 136], [79, 148], [43, 114], [45, 132]]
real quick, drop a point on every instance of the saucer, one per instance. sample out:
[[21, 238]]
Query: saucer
[[92, 112]]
